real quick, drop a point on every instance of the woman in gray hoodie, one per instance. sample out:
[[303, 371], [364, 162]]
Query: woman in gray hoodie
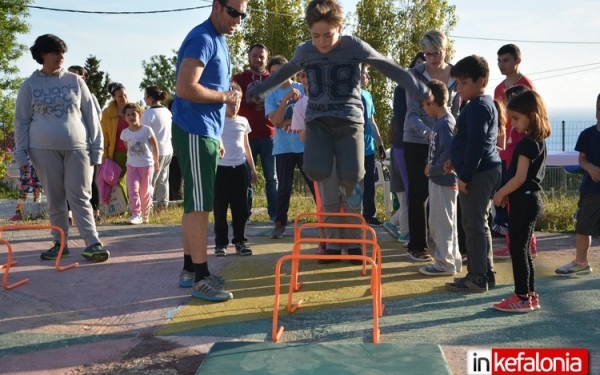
[[57, 125]]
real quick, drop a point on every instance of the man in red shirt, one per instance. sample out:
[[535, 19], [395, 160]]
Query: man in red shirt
[[261, 136]]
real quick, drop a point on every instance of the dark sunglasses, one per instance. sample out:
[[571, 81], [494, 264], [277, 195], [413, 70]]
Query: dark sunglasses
[[234, 13]]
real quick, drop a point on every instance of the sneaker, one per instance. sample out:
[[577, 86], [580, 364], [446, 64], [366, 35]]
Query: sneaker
[[470, 283], [574, 269], [278, 231], [242, 249], [186, 279], [432, 270], [330, 252], [404, 238], [220, 252], [498, 231], [355, 200], [135, 220], [535, 302], [392, 229], [503, 253], [209, 290], [514, 304], [419, 255], [321, 249], [491, 275], [355, 251], [16, 217], [52, 254], [533, 246], [464, 258], [373, 221], [96, 253]]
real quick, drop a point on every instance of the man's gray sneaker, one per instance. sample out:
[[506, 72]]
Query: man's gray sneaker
[[209, 290], [186, 279]]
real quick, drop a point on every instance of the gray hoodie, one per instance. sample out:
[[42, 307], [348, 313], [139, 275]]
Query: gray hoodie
[[56, 112]]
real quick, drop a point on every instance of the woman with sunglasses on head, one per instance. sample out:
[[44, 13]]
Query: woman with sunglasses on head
[[113, 123], [417, 128], [57, 126]]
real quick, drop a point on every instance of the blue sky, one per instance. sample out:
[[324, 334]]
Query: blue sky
[[121, 42]]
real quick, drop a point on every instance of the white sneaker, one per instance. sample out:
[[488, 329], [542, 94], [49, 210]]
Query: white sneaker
[[135, 220]]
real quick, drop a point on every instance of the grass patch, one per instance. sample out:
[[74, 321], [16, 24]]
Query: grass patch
[[7, 191]]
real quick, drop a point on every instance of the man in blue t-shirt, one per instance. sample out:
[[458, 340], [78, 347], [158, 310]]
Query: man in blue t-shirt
[[201, 91], [588, 219]]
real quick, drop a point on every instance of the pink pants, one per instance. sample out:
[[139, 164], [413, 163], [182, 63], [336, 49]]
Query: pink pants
[[139, 189]]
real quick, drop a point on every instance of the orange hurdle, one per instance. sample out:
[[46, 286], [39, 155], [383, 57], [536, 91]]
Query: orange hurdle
[[295, 257], [10, 262]]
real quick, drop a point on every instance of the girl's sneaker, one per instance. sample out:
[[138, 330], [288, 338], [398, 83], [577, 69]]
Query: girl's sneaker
[[535, 302], [392, 229], [514, 304], [16, 217], [135, 220], [321, 249]]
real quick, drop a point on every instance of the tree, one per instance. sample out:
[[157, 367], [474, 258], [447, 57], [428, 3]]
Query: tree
[[278, 24], [12, 23], [97, 80], [160, 72], [396, 30]]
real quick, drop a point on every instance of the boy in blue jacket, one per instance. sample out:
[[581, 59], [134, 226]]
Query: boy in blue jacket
[[477, 164]]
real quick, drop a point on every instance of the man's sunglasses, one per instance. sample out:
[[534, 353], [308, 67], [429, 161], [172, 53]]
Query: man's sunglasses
[[234, 13]]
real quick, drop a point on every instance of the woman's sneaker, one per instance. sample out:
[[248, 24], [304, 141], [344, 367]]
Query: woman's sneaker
[[211, 291], [135, 220], [52, 253], [242, 249], [96, 253], [432, 270], [392, 229], [419, 255], [574, 269], [514, 304]]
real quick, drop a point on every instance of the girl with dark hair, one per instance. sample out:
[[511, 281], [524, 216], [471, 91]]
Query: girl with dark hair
[[57, 126], [158, 117]]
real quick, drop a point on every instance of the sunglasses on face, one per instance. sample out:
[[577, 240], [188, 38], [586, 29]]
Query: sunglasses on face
[[234, 13]]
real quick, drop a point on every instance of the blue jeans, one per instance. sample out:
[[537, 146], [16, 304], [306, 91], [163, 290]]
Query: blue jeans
[[264, 148]]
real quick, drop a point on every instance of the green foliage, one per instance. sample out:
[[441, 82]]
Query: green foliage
[[5, 159], [160, 72], [12, 23], [278, 24], [395, 30], [559, 208], [97, 80]]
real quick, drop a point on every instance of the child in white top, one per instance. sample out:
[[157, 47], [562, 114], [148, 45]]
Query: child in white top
[[232, 182], [142, 160]]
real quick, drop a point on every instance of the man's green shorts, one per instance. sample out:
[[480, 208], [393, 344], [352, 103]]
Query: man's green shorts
[[197, 157]]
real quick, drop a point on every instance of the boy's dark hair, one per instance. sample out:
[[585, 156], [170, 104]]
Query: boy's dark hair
[[235, 87], [156, 93], [46, 43], [258, 45], [276, 60], [473, 67], [511, 49], [513, 91], [136, 107], [79, 70], [439, 92], [323, 10], [531, 104]]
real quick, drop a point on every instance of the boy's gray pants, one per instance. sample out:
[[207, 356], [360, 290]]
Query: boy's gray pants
[[442, 225]]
